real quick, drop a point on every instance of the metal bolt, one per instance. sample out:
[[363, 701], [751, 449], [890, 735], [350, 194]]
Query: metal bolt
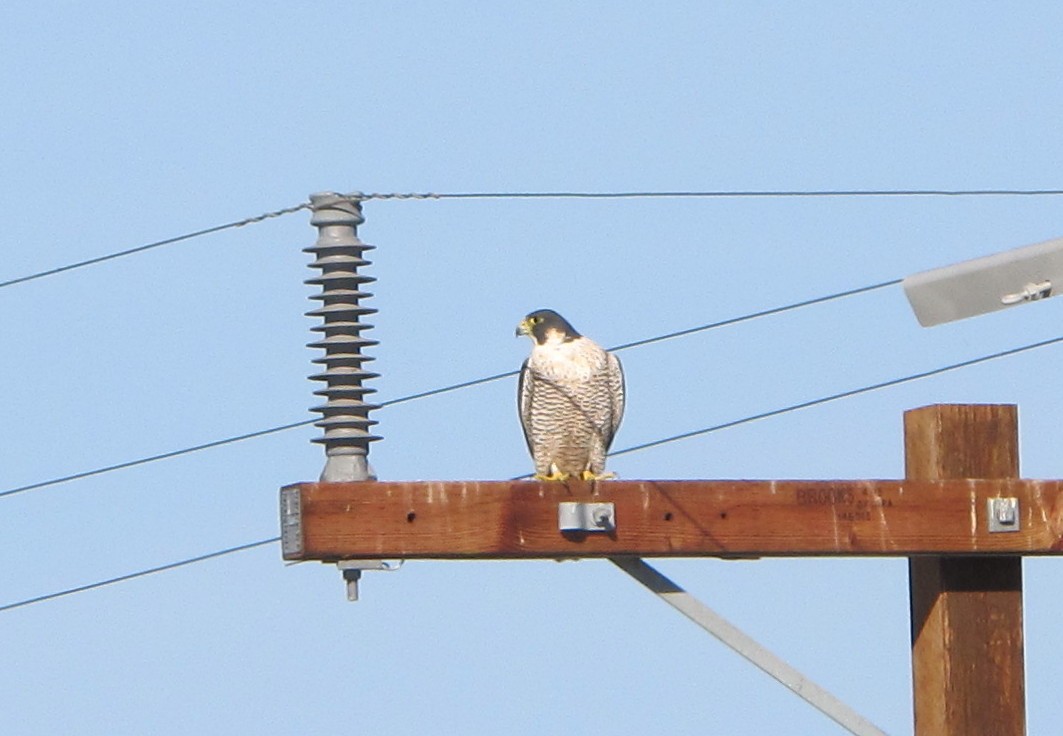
[[602, 518], [351, 577]]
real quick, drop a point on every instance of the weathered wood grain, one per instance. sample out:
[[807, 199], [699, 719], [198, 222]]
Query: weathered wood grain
[[485, 519], [967, 631]]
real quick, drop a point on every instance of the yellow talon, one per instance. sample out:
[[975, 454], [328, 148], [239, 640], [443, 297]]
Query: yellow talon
[[555, 476], [588, 475]]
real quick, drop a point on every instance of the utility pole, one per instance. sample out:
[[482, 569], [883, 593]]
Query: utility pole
[[961, 515], [967, 648]]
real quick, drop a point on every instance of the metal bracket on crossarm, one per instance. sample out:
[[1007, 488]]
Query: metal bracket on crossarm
[[352, 572], [577, 516]]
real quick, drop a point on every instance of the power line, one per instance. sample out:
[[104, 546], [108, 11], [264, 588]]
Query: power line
[[140, 574], [757, 315], [675, 194], [443, 389], [627, 450], [150, 246], [153, 458], [840, 395], [711, 194]]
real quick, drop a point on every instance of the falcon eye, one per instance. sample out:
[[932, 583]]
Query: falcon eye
[[536, 320]]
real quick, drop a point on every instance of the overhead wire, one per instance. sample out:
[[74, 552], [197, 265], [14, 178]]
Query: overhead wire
[[444, 389], [646, 194], [841, 395], [634, 448], [139, 574], [359, 196], [152, 458], [757, 315], [152, 246], [710, 194]]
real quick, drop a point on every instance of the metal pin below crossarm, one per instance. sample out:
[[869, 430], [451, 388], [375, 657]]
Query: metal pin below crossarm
[[352, 572]]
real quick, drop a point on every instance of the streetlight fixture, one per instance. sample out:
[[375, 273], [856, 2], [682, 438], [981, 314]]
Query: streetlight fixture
[[986, 284]]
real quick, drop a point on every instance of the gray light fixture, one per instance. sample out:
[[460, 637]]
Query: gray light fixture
[[986, 284]]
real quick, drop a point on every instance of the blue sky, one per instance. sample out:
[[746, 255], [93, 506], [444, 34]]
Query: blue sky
[[125, 123]]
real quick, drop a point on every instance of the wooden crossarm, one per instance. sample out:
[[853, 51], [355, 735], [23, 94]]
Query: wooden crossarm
[[668, 518]]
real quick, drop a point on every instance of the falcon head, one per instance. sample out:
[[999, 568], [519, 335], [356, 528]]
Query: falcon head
[[544, 324]]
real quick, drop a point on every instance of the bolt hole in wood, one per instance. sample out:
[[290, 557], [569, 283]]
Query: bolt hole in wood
[[410, 517], [667, 515], [723, 515]]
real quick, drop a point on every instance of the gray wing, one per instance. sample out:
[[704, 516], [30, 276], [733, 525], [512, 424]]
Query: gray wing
[[525, 389], [617, 389]]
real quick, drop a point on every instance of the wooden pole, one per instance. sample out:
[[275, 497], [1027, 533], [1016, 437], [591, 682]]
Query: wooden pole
[[967, 641]]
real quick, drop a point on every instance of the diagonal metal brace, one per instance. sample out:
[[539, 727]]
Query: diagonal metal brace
[[742, 643]]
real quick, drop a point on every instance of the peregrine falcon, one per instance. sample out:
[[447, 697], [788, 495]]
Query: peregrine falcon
[[570, 397]]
